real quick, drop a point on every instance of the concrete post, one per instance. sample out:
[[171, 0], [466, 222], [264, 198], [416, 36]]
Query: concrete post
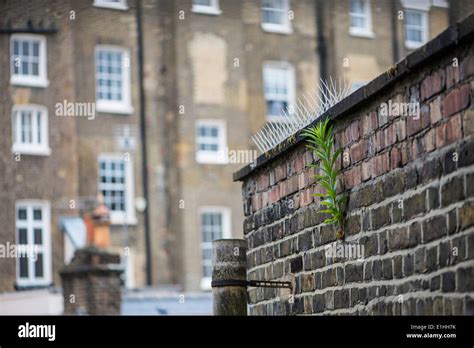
[[229, 276]]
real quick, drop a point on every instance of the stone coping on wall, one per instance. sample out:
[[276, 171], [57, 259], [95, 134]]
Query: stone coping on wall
[[451, 37]]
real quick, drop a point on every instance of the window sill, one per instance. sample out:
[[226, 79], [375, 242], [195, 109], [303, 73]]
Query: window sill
[[411, 45], [114, 108], [111, 6], [202, 158], [368, 34], [206, 10], [30, 150], [120, 220], [277, 29], [25, 285], [28, 82]]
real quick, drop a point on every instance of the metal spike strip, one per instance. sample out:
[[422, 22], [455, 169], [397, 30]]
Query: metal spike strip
[[306, 110]]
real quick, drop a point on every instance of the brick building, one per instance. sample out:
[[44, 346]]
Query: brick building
[[213, 73]]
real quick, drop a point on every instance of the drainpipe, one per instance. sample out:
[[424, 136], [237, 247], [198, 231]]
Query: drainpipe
[[146, 213], [395, 49], [321, 42]]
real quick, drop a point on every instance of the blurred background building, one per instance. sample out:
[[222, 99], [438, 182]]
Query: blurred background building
[[143, 101]]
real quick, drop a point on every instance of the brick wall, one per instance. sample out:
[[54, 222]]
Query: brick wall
[[91, 283], [410, 187]]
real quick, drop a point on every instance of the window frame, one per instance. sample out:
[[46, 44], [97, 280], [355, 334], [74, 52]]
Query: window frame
[[38, 149], [29, 80], [115, 107], [269, 65], [409, 44], [30, 204], [367, 31], [120, 5], [127, 216], [226, 218], [211, 157], [284, 28], [213, 9]]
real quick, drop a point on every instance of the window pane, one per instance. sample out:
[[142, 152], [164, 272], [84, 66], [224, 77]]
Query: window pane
[[202, 2], [25, 48], [36, 49], [37, 214], [38, 236], [39, 266], [413, 18], [16, 49], [38, 128], [22, 214], [34, 70], [22, 236], [23, 264]]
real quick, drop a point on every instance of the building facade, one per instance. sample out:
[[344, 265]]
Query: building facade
[[83, 82]]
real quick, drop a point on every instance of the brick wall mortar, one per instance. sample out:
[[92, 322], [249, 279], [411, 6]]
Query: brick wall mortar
[[410, 204], [406, 194]]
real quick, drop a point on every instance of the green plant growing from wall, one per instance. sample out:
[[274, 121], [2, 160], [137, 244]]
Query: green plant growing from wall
[[321, 142]]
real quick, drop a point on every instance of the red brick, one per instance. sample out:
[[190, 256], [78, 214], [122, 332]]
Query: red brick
[[369, 123], [338, 139], [416, 124], [352, 177], [390, 135], [358, 151], [257, 202], [355, 133], [378, 141], [274, 194], [302, 181], [347, 136], [338, 162], [417, 147], [346, 158], [456, 100], [308, 158], [296, 201], [467, 67], [449, 131], [309, 174], [435, 110], [395, 158], [468, 122], [307, 197], [264, 199], [432, 84], [280, 173], [380, 164], [404, 152], [262, 182], [298, 164], [453, 130], [289, 186], [452, 75], [366, 170], [429, 140], [401, 129]]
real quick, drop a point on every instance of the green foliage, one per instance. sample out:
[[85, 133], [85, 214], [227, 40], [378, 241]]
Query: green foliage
[[321, 142]]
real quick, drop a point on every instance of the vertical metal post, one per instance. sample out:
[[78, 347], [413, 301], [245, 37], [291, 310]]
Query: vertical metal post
[[229, 277]]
